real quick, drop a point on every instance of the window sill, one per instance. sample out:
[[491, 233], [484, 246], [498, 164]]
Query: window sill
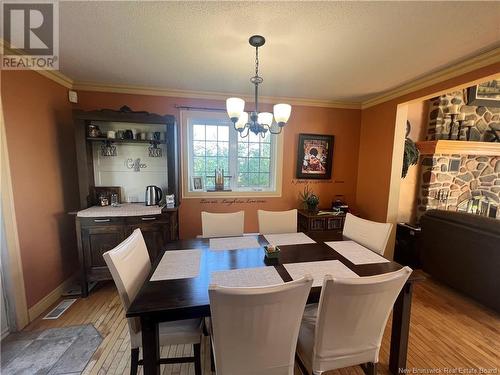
[[231, 194]]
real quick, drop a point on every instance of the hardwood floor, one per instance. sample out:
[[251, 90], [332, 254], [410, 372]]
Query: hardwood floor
[[448, 331]]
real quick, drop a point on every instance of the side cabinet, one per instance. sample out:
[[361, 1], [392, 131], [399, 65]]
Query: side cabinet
[[98, 235]]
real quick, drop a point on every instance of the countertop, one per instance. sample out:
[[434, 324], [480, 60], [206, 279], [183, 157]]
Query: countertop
[[124, 209]]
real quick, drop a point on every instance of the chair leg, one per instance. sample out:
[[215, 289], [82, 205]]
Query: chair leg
[[370, 368], [212, 359], [134, 361], [197, 359], [302, 367]]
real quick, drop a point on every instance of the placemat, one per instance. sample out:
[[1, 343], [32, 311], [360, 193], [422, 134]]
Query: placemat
[[234, 243], [318, 270], [288, 239], [355, 252], [178, 264], [246, 277]]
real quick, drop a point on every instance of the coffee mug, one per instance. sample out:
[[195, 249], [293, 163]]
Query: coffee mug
[[111, 134], [128, 134]]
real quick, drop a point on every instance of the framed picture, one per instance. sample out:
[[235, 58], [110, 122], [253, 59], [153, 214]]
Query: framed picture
[[486, 94], [315, 156], [197, 183]]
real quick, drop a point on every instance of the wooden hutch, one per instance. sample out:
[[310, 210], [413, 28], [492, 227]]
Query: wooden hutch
[[98, 234]]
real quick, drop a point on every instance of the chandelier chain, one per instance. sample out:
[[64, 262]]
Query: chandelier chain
[[256, 61]]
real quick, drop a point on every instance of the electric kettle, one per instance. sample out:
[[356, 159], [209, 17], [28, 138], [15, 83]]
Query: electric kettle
[[153, 195]]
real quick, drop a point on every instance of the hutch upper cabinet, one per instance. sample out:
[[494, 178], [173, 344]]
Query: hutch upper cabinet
[[126, 170]]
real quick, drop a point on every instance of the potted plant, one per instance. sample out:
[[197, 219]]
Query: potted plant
[[309, 199], [411, 153]]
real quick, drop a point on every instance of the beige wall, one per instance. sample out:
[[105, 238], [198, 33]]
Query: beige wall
[[417, 116]]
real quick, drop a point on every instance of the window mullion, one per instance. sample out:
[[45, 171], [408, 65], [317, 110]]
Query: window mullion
[[233, 157]]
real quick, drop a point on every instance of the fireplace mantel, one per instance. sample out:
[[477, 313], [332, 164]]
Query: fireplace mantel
[[458, 147]]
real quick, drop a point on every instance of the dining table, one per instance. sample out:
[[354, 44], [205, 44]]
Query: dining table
[[186, 298]]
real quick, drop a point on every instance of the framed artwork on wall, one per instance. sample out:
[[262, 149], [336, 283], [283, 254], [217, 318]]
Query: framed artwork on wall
[[315, 156], [197, 183], [485, 94]]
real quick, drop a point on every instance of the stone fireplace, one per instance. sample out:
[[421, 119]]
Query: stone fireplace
[[454, 178]]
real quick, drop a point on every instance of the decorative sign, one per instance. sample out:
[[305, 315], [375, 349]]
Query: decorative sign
[[135, 164], [232, 201]]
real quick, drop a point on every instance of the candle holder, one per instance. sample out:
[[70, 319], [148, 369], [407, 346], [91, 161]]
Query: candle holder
[[453, 117]]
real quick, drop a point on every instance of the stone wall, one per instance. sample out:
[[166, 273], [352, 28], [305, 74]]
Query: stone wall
[[460, 183], [480, 117]]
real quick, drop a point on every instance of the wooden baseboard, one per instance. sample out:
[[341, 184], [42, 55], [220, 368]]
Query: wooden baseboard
[[41, 306]]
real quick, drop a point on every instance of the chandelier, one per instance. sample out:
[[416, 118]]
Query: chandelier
[[257, 122]]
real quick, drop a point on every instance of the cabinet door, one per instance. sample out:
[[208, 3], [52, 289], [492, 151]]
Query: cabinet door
[[155, 235], [97, 240]]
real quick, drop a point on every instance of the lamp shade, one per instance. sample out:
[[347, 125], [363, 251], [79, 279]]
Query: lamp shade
[[242, 121], [235, 107], [282, 112], [265, 118]]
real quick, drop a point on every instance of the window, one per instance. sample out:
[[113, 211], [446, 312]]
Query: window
[[211, 142]]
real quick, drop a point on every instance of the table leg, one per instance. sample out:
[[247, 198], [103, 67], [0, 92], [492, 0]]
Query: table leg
[[400, 330], [150, 346]]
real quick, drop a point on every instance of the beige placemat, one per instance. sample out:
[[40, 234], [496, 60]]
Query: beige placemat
[[178, 264], [288, 239], [356, 253], [318, 270], [246, 277], [234, 243]]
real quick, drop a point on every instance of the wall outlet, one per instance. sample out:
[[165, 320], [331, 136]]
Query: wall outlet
[[72, 96]]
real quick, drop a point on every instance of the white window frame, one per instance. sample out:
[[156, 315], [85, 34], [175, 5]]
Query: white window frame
[[187, 117]]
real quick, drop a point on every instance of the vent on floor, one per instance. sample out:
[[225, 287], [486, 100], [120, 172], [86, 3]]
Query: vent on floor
[[60, 309]]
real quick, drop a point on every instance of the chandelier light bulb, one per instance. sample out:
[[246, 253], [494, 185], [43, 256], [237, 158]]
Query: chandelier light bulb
[[235, 108], [265, 118], [282, 113], [242, 121]]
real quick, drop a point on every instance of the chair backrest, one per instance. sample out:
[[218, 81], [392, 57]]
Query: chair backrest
[[352, 315], [129, 265], [368, 233], [255, 329], [277, 221], [222, 225]]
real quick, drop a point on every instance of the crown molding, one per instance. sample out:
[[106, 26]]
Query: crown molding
[[54, 75], [468, 65], [211, 95]]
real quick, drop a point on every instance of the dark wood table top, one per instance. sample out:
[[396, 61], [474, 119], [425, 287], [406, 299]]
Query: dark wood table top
[[167, 300]]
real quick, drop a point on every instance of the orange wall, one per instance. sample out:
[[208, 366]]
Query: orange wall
[[376, 144], [343, 123], [40, 140]]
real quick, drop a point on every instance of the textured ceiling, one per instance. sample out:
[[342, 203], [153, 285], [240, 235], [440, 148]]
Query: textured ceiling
[[318, 50]]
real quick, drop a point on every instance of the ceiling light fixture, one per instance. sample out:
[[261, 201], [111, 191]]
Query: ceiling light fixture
[[257, 123]]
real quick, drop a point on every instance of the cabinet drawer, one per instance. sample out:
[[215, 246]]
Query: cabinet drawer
[[100, 221], [134, 220]]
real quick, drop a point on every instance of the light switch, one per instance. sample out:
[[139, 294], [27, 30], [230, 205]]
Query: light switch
[[72, 96]]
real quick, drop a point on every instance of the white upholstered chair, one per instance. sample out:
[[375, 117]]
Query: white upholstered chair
[[277, 221], [221, 224], [346, 327], [254, 330], [130, 266], [368, 233]]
